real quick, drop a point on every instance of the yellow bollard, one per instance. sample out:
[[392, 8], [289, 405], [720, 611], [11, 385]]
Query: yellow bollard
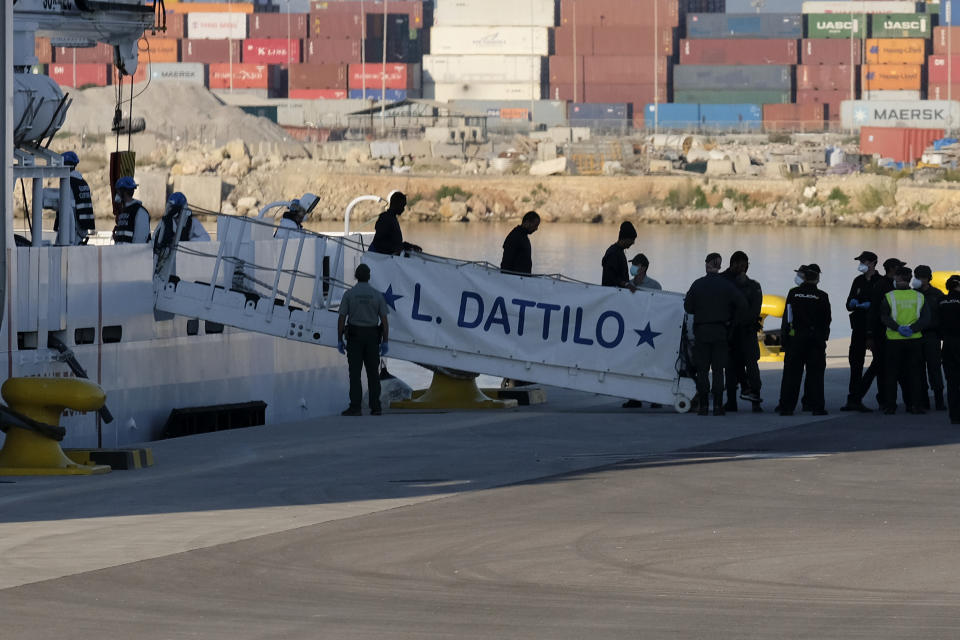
[[450, 393], [772, 306], [27, 453]]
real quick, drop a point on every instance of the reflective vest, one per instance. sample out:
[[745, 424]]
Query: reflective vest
[[126, 222], [83, 202], [905, 307]]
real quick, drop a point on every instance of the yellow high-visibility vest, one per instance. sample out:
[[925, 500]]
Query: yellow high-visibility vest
[[905, 307]]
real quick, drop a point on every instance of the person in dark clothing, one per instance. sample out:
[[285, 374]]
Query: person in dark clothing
[[876, 333], [614, 263], [930, 366], [858, 304], [905, 316], [805, 329], [388, 237], [949, 317], [517, 253], [715, 305], [743, 367]]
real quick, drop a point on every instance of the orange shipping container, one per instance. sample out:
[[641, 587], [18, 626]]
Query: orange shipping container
[[212, 7], [154, 49], [43, 50], [139, 76], [890, 77], [245, 76], [896, 50]]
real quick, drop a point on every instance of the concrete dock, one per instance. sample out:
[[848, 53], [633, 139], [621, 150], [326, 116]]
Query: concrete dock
[[571, 519]]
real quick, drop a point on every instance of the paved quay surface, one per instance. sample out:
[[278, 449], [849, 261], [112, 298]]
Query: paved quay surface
[[572, 519]]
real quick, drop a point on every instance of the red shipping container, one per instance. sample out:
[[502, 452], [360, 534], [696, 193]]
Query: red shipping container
[[630, 41], [411, 8], [271, 51], [942, 70], [829, 99], [79, 75], [100, 54], [562, 70], [941, 91], [210, 51], [620, 13], [317, 76], [328, 50], [559, 91], [564, 45], [336, 26], [829, 51], [278, 25], [732, 52], [317, 94], [139, 76], [397, 76], [793, 117], [176, 25], [245, 76], [945, 38], [624, 69], [897, 143], [43, 50], [825, 77]]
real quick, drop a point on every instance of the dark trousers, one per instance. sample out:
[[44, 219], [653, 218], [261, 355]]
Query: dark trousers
[[902, 365], [363, 351], [742, 366], [930, 367], [710, 353], [804, 353], [875, 371], [856, 356], [951, 367]]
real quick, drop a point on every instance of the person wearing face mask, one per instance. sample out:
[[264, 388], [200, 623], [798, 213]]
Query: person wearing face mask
[[949, 316], [133, 220], [805, 329], [859, 301], [905, 316], [930, 366], [638, 274], [517, 252], [743, 368], [877, 333]]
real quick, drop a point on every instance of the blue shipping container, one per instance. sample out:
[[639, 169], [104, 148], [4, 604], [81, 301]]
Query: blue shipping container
[[699, 76], [738, 117], [745, 25], [600, 111], [392, 95], [672, 116]]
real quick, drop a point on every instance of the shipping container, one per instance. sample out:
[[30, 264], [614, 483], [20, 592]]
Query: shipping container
[[336, 26], [625, 69], [731, 117], [899, 145], [43, 50], [317, 94], [871, 6], [828, 25], [892, 96], [317, 76], [398, 50], [684, 117], [565, 44], [895, 51], [751, 6], [176, 24], [546, 112], [732, 96], [294, 6], [101, 53], [396, 76], [489, 41], [485, 91], [183, 72], [212, 7], [217, 26], [902, 25], [744, 26], [944, 69], [805, 118], [271, 51], [469, 13], [79, 75], [392, 95], [476, 69], [239, 76], [210, 51], [278, 25], [140, 76], [890, 77], [589, 111], [830, 51], [620, 13], [826, 77], [414, 9], [633, 93], [734, 77], [327, 50], [943, 91], [627, 41], [728, 52], [154, 49], [831, 100], [924, 114], [946, 39]]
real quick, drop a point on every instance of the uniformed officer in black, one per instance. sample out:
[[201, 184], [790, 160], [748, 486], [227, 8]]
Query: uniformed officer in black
[[614, 262], [931, 376], [877, 332], [743, 367], [82, 205], [905, 316], [805, 330], [517, 252], [388, 237], [859, 301], [715, 305], [949, 316], [363, 323]]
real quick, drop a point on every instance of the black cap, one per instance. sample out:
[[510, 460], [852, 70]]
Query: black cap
[[866, 256], [813, 267], [923, 271], [890, 263], [903, 273], [627, 230]]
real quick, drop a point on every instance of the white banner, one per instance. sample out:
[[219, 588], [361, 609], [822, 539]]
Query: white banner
[[475, 309]]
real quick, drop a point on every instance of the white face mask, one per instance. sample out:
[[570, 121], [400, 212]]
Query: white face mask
[[915, 284], [634, 269], [798, 279], [863, 268]]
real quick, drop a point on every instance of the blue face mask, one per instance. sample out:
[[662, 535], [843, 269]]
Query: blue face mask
[[634, 270]]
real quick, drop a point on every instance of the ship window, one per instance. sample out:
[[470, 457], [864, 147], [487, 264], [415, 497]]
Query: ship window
[[112, 334], [26, 340], [84, 335], [212, 327], [193, 327]]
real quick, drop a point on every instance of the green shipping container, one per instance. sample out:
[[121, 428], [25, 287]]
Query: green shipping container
[[713, 96], [900, 25], [835, 25]]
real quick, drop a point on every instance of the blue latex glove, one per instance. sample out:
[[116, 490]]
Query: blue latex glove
[[384, 348], [905, 331], [342, 348], [853, 304], [864, 305]]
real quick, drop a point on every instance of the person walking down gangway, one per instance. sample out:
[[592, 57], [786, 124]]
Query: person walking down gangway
[[614, 262], [639, 266], [743, 368], [517, 252], [949, 314], [931, 374], [363, 333], [388, 237], [80, 204], [805, 329], [905, 316], [133, 220]]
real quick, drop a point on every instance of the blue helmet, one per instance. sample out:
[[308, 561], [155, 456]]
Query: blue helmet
[[70, 158], [127, 183], [177, 200]]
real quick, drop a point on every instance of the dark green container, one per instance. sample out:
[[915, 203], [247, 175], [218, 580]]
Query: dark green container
[[713, 96], [900, 25], [836, 25]]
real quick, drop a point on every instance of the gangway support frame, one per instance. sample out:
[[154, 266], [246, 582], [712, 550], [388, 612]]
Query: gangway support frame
[[448, 392]]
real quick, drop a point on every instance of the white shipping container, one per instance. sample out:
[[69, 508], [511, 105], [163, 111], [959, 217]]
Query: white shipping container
[[217, 26], [848, 6], [186, 72], [892, 96], [460, 91], [506, 41], [501, 13], [922, 114], [482, 69]]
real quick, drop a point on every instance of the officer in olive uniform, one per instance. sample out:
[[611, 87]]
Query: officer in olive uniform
[[805, 329], [363, 323], [905, 315], [949, 315], [859, 301], [743, 368], [930, 366]]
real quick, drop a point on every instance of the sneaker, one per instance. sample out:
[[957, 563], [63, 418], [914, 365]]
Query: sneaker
[[375, 412], [730, 406], [889, 411], [350, 411], [632, 404], [856, 406], [752, 397]]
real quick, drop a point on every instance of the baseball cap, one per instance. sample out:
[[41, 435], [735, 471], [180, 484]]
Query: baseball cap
[[866, 256], [890, 263]]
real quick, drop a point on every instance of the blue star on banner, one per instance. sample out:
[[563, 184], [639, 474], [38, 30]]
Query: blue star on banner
[[647, 335], [391, 297]]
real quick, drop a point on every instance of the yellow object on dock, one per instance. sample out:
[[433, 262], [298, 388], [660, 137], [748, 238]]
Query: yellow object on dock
[[28, 453], [939, 279], [772, 306], [450, 393]]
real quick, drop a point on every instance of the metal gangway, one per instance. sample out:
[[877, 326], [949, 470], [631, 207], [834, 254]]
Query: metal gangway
[[443, 312]]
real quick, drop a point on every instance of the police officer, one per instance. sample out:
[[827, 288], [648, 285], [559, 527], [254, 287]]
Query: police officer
[[877, 333], [363, 325], [859, 301], [81, 205], [743, 367], [949, 315], [905, 315], [389, 237], [805, 329], [715, 305], [517, 253], [614, 262], [930, 356], [133, 220], [639, 276]]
